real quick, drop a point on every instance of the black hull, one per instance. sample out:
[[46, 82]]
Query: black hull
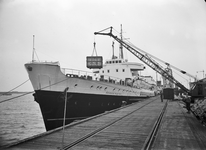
[[78, 106]]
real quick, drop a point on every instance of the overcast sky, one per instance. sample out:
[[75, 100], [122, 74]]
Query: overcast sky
[[172, 30]]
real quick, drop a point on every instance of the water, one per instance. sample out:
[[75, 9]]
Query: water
[[20, 118]]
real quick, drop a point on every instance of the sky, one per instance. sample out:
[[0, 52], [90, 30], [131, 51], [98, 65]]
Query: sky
[[172, 30]]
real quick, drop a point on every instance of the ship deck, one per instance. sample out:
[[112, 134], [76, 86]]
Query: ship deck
[[146, 124]]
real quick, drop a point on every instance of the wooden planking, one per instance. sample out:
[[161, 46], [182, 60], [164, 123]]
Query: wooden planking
[[128, 133], [176, 131]]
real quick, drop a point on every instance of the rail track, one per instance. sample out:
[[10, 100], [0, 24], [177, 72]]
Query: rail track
[[151, 137], [149, 140]]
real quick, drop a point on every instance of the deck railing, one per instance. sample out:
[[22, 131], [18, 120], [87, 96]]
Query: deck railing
[[91, 76]]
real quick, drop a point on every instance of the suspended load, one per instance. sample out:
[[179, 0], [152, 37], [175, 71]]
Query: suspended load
[[94, 62]]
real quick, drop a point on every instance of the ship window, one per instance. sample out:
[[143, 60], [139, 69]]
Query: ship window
[[123, 70], [108, 71], [116, 70], [102, 71], [116, 61]]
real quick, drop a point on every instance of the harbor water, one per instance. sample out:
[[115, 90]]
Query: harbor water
[[20, 118]]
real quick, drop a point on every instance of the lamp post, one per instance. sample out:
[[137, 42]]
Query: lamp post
[[202, 72], [65, 109]]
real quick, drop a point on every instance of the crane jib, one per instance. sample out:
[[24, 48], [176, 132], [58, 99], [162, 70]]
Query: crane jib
[[146, 59]]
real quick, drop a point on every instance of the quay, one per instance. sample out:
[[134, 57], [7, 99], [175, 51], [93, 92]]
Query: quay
[[127, 128]]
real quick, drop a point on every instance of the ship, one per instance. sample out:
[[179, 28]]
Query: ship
[[65, 95]]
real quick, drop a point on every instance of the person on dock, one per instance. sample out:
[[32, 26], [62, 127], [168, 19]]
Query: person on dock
[[187, 102], [161, 95]]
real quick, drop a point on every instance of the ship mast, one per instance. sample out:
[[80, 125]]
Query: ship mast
[[121, 46], [113, 57], [33, 49]]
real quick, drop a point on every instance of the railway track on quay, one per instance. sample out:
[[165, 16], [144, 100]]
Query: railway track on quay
[[148, 142]]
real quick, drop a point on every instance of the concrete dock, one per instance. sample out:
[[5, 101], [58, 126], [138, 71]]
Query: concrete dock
[[126, 128]]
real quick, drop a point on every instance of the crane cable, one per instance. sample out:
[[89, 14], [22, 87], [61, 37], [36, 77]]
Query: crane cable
[[147, 54]]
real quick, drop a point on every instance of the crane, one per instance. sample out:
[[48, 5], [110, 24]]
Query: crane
[[147, 59]]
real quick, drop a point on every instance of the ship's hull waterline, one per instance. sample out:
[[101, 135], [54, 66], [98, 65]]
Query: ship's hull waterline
[[78, 106]]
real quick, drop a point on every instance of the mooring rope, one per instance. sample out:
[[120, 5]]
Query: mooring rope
[[32, 91], [15, 87], [16, 97]]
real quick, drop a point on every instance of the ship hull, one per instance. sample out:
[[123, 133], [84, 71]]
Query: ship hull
[[86, 95], [78, 106]]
